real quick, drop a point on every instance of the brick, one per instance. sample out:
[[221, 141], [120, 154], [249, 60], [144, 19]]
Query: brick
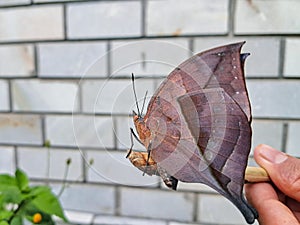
[[103, 19], [97, 96], [114, 220], [267, 132], [76, 59], [80, 131], [267, 17], [292, 54], [17, 60], [44, 96], [182, 18], [20, 129], [14, 2], [88, 198], [57, 159], [264, 50], [215, 209], [7, 160], [292, 145], [160, 204], [4, 96], [148, 57], [274, 98], [42, 22], [75, 217], [114, 168]]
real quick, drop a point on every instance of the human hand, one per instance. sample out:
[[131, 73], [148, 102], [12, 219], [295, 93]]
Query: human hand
[[278, 203]]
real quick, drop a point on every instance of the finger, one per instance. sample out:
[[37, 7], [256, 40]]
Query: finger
[[294, 206], [270, 211], [283, 170]]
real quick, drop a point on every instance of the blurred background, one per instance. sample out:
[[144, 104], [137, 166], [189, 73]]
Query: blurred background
[[65, 77]]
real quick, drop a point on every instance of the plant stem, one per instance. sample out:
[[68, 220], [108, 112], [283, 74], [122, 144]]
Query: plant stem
[[64, 181]]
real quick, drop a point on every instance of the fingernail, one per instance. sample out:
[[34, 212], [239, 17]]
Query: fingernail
[[272, 155]]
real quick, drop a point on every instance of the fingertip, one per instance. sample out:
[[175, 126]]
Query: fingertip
[[267, 156]]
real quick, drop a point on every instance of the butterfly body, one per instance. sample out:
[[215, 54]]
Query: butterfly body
[[197, 125]]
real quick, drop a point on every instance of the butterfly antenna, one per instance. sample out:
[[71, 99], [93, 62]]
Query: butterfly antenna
[[135, 96], [144, 101]]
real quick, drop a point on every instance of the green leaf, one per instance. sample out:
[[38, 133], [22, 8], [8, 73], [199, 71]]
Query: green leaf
[[39, 190], [32, 192], [7, 180], [47, 202], [5, 215], [17, 220], [10, 194], [22, 180], [3, 223]]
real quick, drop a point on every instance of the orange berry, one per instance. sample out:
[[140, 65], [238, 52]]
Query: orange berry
[[37, 218]]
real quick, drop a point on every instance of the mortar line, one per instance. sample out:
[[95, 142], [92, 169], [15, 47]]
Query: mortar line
[[143, 17], [108, 59], [10, 96], [231, 16], [65, 27], [117, 201], [284, 136], [282, 45], [196, 207]]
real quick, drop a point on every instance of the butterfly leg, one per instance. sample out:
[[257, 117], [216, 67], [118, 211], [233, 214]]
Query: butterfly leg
[[148, 156]]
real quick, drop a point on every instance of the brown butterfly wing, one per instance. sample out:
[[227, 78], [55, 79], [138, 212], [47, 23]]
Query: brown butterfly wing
[[197, 143], [223, 135]]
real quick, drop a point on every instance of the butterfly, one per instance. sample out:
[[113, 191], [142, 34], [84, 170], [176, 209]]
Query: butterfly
[[197, 127]]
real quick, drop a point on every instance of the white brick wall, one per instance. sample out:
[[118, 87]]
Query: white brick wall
[[112, 220], [104, 19], [7, 160], [17, 60], [148, 57], [34, 23], [79, 59], [57, 164], [214, 210], [65, 74], [43, 95], [20, 129], [80, 131], [292, 54], [163, 205], [96, 199], [14, 2], [4, 96], [267, 17], [112, 167], [274, 98], [262, 130], [293, 138], [173, 17], [99, 97]]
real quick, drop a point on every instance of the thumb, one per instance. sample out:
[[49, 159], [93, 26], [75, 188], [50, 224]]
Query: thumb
[[283, 170]]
